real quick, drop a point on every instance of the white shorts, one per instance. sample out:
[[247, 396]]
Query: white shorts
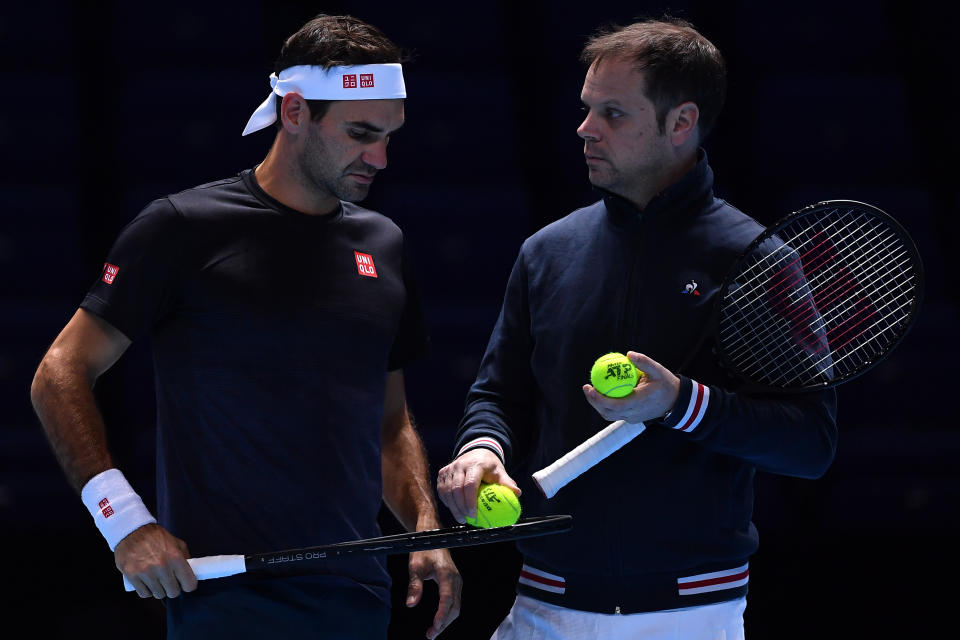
[[531, 619]]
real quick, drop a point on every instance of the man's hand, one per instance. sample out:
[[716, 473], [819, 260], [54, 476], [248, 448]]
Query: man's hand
[[654, 395], [155, 562], [436, 565], [458, 483]]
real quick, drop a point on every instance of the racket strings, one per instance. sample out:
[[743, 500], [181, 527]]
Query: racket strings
[[857, 354], [760, 278], [877, 267], [788, 280], [862, 353], [830, 294], [849, 324], [823, 304], [837, 285]]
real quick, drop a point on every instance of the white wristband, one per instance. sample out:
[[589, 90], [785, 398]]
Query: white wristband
[[116, 508]]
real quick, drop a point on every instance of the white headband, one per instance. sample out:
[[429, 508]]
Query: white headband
[[357, 82]]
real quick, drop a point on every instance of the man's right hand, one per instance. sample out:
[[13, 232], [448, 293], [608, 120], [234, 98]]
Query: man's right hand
[[155, 562], [458, 483]]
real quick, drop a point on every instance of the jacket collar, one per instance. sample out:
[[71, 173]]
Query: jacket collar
[[685, 196]]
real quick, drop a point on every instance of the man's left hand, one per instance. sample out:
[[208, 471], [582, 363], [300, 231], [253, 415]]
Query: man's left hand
[[436, 565], [655, 394]]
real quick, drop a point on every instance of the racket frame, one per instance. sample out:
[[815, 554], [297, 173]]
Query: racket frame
[[300, 561], [714, 324]]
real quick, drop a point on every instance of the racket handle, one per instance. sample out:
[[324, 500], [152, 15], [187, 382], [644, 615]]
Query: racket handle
[[209, 567], [600, 445]]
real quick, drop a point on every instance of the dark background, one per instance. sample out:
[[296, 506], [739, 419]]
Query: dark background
[[108, 105]]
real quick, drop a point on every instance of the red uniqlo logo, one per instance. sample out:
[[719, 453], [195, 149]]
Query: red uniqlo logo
[[350, 81], [366, 80], [105, 508], [110, 272], [365, 264]]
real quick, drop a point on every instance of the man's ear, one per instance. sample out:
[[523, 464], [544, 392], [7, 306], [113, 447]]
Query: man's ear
[[682, 123], [294, 113]]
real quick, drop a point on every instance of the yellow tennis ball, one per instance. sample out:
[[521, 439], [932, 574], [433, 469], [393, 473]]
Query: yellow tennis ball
[[497, 506], [614, 375]]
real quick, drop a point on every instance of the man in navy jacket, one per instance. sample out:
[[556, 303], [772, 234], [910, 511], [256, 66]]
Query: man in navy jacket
[[663, 531]]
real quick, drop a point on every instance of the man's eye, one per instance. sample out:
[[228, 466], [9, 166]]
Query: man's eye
[[358, 134], [614, 113]]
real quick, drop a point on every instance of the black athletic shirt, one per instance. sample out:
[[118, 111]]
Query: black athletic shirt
[[272, 335]]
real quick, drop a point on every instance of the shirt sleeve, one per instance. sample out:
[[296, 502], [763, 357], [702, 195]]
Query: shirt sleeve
[[499, 413], [794, 435], [413, 340], [135, 288]]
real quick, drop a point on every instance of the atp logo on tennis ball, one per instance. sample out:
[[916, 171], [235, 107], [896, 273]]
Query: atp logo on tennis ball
[[497, 506], [614, 375]]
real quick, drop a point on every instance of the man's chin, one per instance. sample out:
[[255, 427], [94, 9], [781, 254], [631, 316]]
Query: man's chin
[[355, 193], [607, 186], [599, 181]]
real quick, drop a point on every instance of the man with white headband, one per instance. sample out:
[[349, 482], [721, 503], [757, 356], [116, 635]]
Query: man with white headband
[[281, 315]]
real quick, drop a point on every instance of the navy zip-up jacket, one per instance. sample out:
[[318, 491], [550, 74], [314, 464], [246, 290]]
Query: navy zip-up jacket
[[665, 522]]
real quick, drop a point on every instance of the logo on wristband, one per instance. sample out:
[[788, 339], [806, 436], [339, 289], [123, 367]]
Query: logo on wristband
[[105, 508]]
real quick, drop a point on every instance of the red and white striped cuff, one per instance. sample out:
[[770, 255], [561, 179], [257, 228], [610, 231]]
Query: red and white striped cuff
[[485, 442], [539, 579], [691, 411], [714, 581]]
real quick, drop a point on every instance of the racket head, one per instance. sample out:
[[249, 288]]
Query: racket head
[[819, 298]]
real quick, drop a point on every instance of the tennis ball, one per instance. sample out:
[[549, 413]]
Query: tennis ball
[[614, 375], [497, 506]]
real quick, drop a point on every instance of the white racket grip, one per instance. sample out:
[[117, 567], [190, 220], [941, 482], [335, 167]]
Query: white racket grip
[[600, 445], [209, 567]]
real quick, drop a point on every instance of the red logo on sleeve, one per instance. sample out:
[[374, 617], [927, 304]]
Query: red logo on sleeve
[[110, 272], [349, 81], [105, 508], [366, 80], [365, 264]]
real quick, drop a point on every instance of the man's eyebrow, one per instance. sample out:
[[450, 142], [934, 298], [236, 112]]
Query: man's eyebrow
[[370, 127], [612, 102]]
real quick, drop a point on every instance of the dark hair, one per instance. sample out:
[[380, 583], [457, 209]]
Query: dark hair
[[678, 63], [332, 41]]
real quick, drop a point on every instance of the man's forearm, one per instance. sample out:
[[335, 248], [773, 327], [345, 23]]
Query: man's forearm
[[63, 400], [407, 490]]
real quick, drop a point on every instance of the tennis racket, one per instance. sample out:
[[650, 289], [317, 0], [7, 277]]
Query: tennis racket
[[294, 561], [817, 299]]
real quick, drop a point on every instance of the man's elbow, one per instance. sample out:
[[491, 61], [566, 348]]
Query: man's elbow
[[40, 386], [820, 457], [821, 444], [54, 374]]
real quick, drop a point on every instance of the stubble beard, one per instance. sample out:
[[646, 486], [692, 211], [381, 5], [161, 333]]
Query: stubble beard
[[604, 177], [321, 176], [627, 184]]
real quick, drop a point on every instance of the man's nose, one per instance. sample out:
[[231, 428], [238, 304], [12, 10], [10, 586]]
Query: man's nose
[[588, 129], [376, 155]]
